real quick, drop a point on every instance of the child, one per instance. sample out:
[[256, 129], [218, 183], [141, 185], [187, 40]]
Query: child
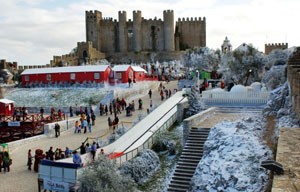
[[79, 129], [76, 126]]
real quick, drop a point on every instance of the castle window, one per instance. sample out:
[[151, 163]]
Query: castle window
[[26, 78], [130, 33], [96, 75], [72, 76], [48, 77]]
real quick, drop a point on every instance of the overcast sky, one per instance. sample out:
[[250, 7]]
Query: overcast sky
[[32, 31]]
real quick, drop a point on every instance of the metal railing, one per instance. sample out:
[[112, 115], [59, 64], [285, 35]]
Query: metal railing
[[149, 142], [249, 97]]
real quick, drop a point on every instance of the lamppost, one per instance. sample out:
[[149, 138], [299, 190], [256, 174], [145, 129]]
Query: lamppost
[[248, 74], [197, 79]]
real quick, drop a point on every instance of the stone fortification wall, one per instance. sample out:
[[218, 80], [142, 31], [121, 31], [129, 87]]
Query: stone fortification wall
[[191, 32], [294, 80], [270, 47]]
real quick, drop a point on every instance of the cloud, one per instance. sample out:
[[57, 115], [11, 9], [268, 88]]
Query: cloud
[[32, 32]]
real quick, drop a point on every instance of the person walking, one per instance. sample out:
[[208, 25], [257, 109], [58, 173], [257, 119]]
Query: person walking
[[71, 111], [85, 124], [110, 108], [90, 127], [140, 104], [162, 95], [116, 121], [29, 161], [93, 150], [109, 122], [76, 127], [6, 162], [106, 110], [150, 94], [88, 118], [1, 162], [82, 149], [57, 130], [93, 117]]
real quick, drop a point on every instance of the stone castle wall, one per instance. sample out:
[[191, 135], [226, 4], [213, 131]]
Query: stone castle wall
[[294, 80], [108, 35], [191, 32], [270, 47]]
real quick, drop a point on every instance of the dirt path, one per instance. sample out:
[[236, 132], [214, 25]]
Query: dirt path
[[20, 179]]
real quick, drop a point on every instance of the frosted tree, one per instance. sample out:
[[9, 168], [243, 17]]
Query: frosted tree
[[242, 66], [103, 175], [203, 58], [195, 105]]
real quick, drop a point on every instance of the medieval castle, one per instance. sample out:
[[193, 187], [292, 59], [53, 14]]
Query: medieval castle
[[135, 40]]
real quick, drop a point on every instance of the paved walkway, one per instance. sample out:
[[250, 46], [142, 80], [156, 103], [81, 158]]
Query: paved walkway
[[288, 154], [20, 179]]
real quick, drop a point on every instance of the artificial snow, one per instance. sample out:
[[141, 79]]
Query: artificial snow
[[238, 88], [232, 157]]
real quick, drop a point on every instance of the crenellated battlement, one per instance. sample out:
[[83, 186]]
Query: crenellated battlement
[[168, 11], [276, 44], [192, 19], [272, 46], [137, 12]]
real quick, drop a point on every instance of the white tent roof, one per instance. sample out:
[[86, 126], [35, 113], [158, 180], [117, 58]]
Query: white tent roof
[[125, 68], [138, 68], [6, 101], [121, 67], [86, 68]]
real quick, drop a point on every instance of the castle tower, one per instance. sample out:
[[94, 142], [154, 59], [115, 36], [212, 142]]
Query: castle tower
[[226, 46], [169, 30], [92, 20], [137, 37], [122, 31]]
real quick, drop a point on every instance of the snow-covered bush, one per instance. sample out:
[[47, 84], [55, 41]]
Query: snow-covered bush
[[142, 167], [195, 105], [232, 156], [103, 175]]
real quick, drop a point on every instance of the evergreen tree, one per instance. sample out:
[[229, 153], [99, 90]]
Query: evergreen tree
[[195, 105]]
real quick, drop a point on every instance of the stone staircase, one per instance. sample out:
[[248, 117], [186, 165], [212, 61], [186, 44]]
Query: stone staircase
[[189, 159]]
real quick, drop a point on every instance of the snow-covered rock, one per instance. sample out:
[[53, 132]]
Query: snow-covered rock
[[231, 160], [142, 167]]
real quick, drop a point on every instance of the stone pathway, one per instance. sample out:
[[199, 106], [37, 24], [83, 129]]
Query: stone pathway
[[288, 154], [20, 179]]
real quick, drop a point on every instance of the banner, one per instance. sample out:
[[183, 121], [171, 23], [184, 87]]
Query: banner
[[56, 186], [13, 123]]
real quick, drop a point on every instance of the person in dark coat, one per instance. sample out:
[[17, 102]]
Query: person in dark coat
[[71, 111], [82, 149], [150, 93], [93, 117], [57, 130]]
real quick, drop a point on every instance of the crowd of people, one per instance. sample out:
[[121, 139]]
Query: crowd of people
[[87, 120]]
